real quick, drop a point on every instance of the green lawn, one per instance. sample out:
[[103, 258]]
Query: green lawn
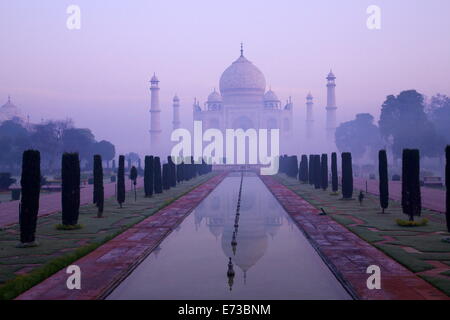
[[413, 247], [60, 246]]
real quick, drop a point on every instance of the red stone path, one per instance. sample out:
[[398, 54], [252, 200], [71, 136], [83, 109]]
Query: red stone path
[[433, 199], [349, 256], [51, 203], [106, 266]]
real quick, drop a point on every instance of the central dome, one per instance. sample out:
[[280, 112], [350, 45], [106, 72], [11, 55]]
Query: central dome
[[242, 78]]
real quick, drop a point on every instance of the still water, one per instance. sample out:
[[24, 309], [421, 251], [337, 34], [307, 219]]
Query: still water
[[270, 257]]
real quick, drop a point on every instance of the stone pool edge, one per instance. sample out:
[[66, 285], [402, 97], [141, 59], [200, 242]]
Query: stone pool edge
[[103, 269], [348, 256]]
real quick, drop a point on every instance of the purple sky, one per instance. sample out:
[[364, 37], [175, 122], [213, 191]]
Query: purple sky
[[98, 76]]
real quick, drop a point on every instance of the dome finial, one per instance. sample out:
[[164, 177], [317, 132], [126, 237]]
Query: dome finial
[[242, 49]]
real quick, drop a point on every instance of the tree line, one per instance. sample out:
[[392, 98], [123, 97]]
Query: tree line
[[157, 179], [52, 139], [313, 170], [407, 121]]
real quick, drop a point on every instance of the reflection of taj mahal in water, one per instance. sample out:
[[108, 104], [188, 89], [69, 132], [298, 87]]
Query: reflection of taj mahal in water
[[260, 219], [243, 103]]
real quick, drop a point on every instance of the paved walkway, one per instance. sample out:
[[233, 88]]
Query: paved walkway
[[349, 256], [51, 203], [433, 199], [106, 266]]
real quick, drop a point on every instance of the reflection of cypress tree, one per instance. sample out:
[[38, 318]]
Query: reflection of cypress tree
[[324, 171], [31, 186], [70, 188], [311, 170], [148, 176], [347, 175], [447, 185], [317, 172], [121, 181], [98, 185], [384, 182], [334, 173], [157, 175], [166, 176]]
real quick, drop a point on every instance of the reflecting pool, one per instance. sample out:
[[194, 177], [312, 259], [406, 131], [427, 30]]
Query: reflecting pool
[[270, 257]]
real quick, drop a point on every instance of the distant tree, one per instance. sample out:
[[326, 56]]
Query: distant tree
[[157, 175], [31, 187], [133, 177], [358, 136], [439, 111], [334, 173], [447, 186], [411, 197], [107, 150], [384, 179], [99, 197], [324, 171], [132, 158], [347, 175], [404, 124], [317, 172], [70, 188], [121, 181], [148, 175], [79, 140]]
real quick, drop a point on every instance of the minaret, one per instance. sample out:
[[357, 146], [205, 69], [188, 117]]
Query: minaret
[[155, 125], [309, 116], [331, 107], [176, 112]]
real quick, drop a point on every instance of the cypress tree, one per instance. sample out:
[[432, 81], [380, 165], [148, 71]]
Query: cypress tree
[[70, 188], [121, 181], [405, 189], [303, 170], [447, 186], [414, 184], [180, 172], [148, 176], [311, 170], [30, 183], [294, 167], [172, 172], [324, 171], [133, 178], [317, 172], [347, 175], [384, 180], [99, 197], [157, 175], [334, 172], [166, 176]]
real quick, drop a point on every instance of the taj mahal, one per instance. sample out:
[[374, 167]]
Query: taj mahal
[[244, 102]]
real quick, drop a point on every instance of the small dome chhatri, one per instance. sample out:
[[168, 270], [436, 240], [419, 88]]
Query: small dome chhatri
[[214, 97], [241, 77], [271, 96], [9, 111]]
